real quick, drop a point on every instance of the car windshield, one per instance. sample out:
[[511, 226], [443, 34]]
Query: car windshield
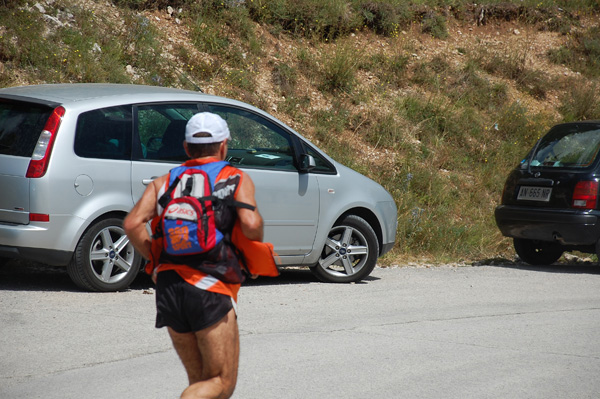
[[567, 146]]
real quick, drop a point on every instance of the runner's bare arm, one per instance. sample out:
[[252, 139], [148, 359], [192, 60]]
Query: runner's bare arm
[[250, 221], [135, 223]]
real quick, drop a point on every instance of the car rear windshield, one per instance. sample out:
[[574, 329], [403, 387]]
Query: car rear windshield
[[567, 146], [20, 126]]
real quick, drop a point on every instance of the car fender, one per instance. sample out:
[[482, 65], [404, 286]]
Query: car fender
[[364, 198]]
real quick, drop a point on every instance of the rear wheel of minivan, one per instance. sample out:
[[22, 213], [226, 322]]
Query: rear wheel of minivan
[[104, 259], [350, 253], [537, 252]]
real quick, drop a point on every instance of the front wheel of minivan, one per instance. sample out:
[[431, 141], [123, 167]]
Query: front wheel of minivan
[[350, 252], [104, 259], [537, 252]]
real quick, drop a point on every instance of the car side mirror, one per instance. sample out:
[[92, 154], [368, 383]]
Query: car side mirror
[[307, 163]]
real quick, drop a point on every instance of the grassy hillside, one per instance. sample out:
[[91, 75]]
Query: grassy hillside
[[435, 99]]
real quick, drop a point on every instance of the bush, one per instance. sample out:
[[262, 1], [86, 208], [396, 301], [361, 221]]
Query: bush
[[389, 69], [309, 18], [470, 88], [339, 70], [581, 53], [386, 18], [580, 102], [285, 78], [514, 66], [11, 3], [381, 130], [435, 25]]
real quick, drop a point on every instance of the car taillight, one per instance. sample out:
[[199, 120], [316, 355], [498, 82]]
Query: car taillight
[[585, 195], [39, 217], [43, 148]]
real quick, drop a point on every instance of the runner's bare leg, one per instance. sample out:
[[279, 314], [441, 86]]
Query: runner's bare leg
[[210, 358]]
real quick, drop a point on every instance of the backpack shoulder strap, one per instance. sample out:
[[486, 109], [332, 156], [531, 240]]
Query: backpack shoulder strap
[[237, 204], [164, 199], [212, 169], [176, 172]]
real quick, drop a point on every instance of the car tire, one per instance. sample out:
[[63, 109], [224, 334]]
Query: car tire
[[537, 252], [104, 259], [350, 253]]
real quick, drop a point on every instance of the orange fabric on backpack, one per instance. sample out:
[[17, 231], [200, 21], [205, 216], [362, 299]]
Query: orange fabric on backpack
[[259, 256]]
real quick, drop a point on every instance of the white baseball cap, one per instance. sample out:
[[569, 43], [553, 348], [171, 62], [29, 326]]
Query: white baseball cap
[[206, 122]]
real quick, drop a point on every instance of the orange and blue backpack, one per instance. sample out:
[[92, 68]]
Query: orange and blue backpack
[[197, 218]]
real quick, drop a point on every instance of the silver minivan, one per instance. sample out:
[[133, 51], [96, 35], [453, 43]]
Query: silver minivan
[[74, 158]]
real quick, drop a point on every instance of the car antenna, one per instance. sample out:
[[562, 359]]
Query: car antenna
[[186, 77], [193, 84]]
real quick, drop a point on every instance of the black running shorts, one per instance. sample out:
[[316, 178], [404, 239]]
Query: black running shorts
[[186, 308]]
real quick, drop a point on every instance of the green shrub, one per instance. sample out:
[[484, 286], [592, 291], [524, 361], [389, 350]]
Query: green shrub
[[339, 69], [214, 22], [144, 51], [561, 55], [431, 74], [11, 3], [435, 25], [436, 120], [307, 63], [329, 123], [309, 18], [208, 36], [195, 68], [581, 101], [242, 78], [581, 53], [390, 69], [285, 78], [515, 130], [385, 17], [470, 88], [590, 48], [380, 130], [514, 66]]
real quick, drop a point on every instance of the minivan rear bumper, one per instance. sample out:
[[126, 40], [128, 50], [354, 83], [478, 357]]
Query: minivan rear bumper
[[51, 243], [49, 257], [569, 227]]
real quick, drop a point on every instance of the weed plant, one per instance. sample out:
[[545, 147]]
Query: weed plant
[[339, 72], [581, 52], [514, 67], [389, 69], [580, 101], [435, 25]]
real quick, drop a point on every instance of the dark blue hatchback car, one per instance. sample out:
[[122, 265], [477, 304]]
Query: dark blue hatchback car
[[550, 201]]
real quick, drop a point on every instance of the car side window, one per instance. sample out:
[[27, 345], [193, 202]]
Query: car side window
[[321, 164], [255, 141], [161, 131], [104, 133]]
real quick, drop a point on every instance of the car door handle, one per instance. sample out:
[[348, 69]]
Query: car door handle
[[145, 182]]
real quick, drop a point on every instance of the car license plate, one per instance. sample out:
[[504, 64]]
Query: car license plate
[[529, 193]]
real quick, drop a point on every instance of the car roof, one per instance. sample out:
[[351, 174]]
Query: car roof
[[94, 95], [69, 93]]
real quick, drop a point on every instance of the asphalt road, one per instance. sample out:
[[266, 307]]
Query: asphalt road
[[408, 332]]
